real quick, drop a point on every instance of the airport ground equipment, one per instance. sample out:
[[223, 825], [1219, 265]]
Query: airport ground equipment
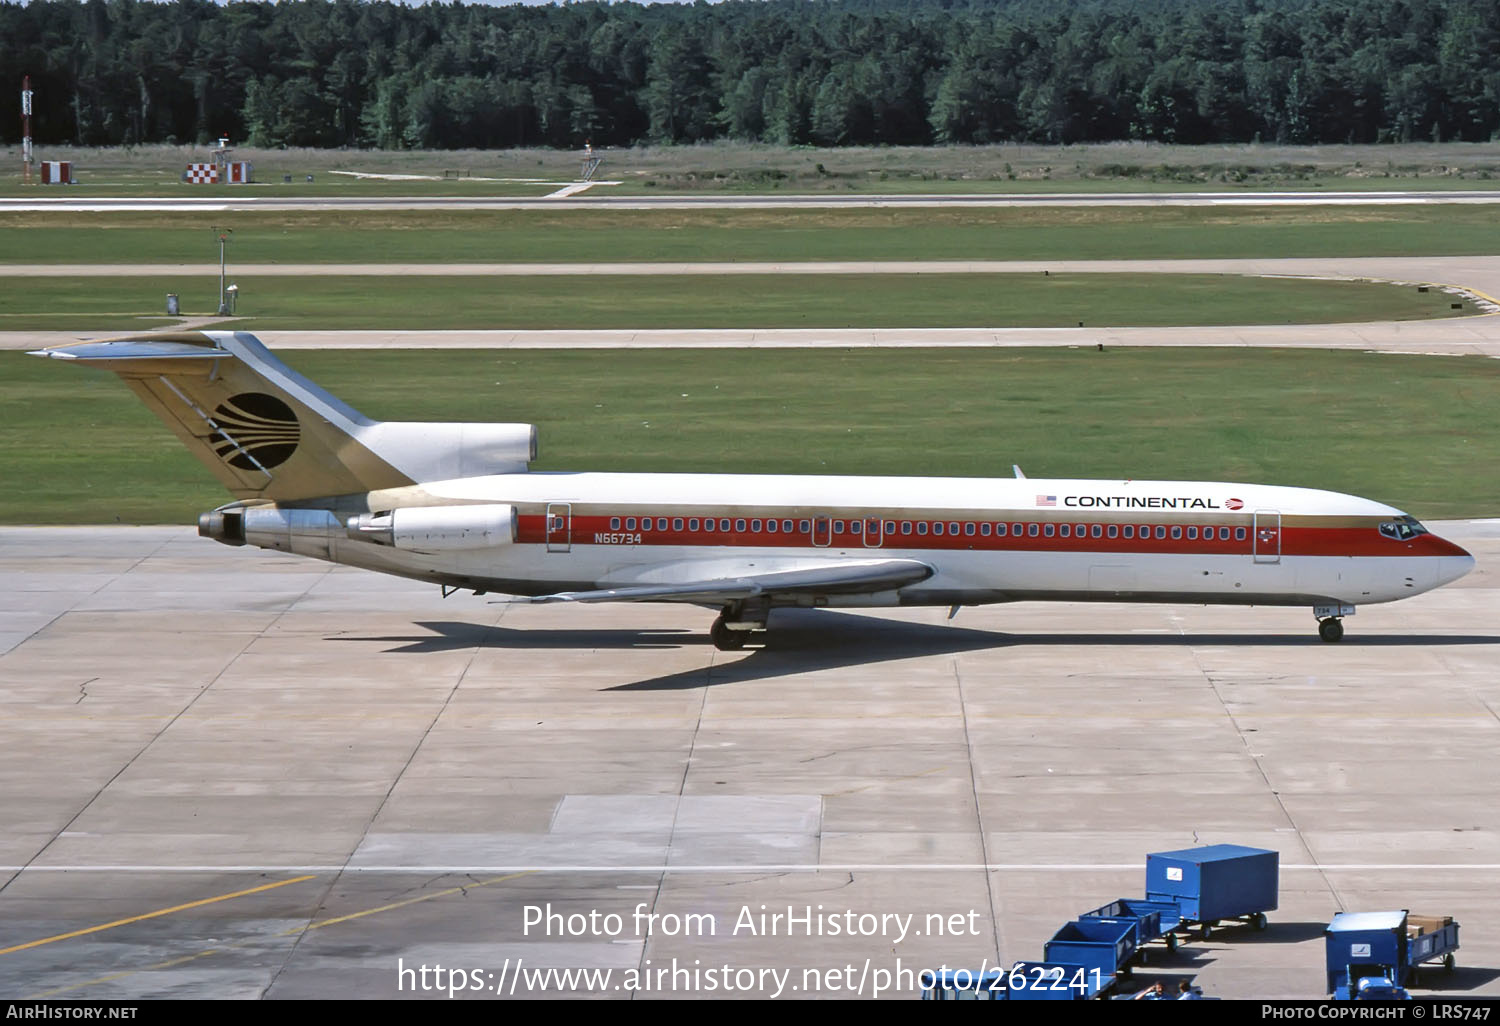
[[1102, 946], [1430, 939], [1374, 954], [963, 985], [1024, 981], [1055, 981], [1214, 883], [1150, 918]]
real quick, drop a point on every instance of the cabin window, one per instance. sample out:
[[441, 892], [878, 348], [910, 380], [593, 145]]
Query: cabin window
[[1176, 533], [906, 527], [693, 524], [786, 525], [1000, 530], [1048, 529], [614, 523], [1130, 530], [739, 525], [1031, 530], [724, 523], [1192, 534], [953, 528], [969, 529], [804, 526], [1065, 530], [1098, 530], [1017, 529], [890, 527], [984, 529], [630, 523], [921, 527], [838, 527], [1161, 532], [937, 528], [676, 523], [1223, 534], [771, 526], [856, 526], [646, 524], [1239, 534], [755, 526], [1113, 531]]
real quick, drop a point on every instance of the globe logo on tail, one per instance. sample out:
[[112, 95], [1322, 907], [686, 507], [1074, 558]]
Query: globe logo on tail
[[256, 431]]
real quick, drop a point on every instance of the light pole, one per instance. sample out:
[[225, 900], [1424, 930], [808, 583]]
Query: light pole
[[224, 235]]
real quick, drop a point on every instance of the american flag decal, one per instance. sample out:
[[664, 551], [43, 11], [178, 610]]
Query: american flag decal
[[1046, 500]]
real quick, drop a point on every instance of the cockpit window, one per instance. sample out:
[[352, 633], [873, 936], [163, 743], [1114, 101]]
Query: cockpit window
[[1402, 528]]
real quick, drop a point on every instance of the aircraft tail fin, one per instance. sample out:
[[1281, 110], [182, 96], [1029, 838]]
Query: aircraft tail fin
[[269, 433]]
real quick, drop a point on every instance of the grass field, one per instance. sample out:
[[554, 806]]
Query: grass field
[[742, 167], [711, 301], [426, 236], [1417, 432]]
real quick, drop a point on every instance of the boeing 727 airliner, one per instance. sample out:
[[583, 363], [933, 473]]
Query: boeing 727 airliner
[[457, 505]]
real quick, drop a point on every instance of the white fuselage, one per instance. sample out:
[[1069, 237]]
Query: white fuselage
[[986, 540]]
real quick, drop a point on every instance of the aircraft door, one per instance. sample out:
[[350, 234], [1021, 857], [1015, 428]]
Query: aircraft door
[[874, 535], [822, 531], [559, 527], [1265, 536]]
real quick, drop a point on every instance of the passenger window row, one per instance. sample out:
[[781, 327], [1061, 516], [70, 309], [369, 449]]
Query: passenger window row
[[935, 528]]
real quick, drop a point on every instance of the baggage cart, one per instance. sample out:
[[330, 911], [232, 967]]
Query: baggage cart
[[1213, 883]]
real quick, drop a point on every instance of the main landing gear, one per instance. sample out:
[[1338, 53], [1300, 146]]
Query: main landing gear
[[731, 629]]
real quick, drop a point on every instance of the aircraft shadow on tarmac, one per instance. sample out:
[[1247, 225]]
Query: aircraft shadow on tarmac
[[802, 640]]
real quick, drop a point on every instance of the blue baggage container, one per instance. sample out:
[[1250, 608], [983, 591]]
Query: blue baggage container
[[1361, 945], [1436, 943], [1104, 945], [1217, 881], [1148, 916], [1054, 981], [963, 985]]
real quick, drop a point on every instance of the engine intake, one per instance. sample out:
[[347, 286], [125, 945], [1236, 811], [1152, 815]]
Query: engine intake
[[436, 528]]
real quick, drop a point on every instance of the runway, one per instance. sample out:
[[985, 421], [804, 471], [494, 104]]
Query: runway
[[226, 772], [262, 198]]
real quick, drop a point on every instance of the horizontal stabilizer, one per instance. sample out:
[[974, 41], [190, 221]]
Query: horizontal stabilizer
[[840, 578], [134, 349]]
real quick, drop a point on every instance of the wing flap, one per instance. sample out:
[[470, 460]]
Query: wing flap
[[832, 578]]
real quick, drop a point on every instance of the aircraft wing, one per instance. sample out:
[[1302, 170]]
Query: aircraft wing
[[843, 577]]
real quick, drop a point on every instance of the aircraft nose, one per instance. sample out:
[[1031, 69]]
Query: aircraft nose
[[1453, 561], [1451, 568]]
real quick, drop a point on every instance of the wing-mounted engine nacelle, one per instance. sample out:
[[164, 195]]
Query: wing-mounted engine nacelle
[[436, 528]]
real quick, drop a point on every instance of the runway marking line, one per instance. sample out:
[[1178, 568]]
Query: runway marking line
[[183, 960], [403, 904], [153, 915]]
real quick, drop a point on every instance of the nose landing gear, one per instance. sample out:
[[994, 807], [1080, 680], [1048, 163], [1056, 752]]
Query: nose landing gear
[[1331, 621]]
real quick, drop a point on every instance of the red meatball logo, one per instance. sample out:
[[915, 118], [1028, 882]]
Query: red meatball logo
[[1233, 504]]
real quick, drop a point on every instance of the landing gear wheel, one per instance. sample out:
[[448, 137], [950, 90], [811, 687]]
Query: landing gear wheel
[[1449, 962], [1331, 629], [1208, 930], [1258, 920], [1171, 939], [726, 640]]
